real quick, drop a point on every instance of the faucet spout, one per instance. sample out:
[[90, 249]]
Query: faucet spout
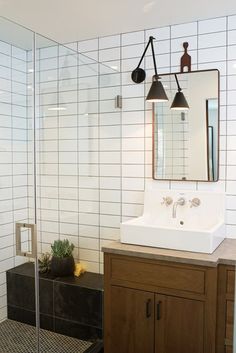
[[181, 202], [174, 209]]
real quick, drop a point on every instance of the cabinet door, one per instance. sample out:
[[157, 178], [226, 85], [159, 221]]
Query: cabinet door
[[131, 321], [179, 325], [229, 325]]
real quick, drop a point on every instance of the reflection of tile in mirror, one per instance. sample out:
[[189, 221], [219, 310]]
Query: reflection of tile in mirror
[[181, 138]]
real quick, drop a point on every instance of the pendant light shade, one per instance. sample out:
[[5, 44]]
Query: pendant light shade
[[157, 92], [179, 102]]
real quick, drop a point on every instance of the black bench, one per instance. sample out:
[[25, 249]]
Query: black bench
[[68, 305]]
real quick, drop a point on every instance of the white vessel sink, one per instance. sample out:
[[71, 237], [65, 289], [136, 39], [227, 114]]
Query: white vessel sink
[[198, 229]]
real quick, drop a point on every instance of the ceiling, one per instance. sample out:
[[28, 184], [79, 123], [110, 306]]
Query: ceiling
[[71, 20]]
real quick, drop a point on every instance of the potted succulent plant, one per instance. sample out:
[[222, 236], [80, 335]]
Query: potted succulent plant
[[62, 262], [44, 263]]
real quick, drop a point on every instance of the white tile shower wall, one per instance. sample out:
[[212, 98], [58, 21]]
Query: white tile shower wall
[[112, 147], [13, 157], [67, 139]]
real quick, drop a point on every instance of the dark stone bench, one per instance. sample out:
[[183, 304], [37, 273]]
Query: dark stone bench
[[72, 306]]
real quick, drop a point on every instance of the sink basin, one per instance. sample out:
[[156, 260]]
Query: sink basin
[[197, 229]]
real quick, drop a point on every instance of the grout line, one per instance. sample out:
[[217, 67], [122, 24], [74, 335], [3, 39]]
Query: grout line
[[12, 169], [58, 143], [78, 154], [121, 136], [197, 183], [170, 69], [99, 171], [226, 113]]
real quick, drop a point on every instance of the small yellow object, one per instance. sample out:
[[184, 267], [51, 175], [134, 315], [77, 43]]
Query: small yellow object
[[79, 269]]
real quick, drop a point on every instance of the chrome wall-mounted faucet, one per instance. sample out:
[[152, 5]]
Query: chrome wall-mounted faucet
[[195, 202], [181, 202], [167, 201]]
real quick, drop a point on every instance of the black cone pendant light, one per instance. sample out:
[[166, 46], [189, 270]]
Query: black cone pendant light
[[156, 92], [179, 102]]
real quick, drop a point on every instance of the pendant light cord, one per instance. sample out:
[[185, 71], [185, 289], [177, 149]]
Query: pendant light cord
[[153, 55], [177, 81]]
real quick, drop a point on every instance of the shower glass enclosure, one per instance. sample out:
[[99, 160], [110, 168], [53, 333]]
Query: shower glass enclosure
[[51, 111]]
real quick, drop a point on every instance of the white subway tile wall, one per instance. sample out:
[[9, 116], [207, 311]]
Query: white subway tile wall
[[96, 159], [13, 157]]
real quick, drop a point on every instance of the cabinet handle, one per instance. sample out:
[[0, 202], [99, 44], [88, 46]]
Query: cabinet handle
[[159, 310], [148, 308]]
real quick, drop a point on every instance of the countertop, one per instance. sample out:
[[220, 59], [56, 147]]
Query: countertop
[[224, 254]]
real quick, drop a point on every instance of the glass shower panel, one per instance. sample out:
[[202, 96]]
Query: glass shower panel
[[60, 168], [58, 112], [76, 161], [88, 162], [110, 153], [68, 150], [18, 314], [57, 139]]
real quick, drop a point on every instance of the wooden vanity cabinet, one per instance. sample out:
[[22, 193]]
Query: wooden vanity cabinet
[[225, 308], [132, 320], [158, 306], [180, 327]]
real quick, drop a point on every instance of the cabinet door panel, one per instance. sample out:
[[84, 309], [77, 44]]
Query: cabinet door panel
[[229, 320], [179, 325], [132, 321], [229, 349]]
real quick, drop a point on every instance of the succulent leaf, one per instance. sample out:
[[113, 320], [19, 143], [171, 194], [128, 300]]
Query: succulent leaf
[[62, 248]]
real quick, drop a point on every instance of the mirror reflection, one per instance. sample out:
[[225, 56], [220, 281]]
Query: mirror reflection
[[186, 134]]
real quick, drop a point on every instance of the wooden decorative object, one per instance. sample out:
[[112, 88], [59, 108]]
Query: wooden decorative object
[[185, 59]]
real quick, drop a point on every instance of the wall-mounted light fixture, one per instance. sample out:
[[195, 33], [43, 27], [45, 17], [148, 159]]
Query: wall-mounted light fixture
[[179, 102], [156, 92]]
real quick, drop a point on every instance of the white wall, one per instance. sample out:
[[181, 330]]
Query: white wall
[[113, 149], [74, 20], [13, 157], [95, 160]]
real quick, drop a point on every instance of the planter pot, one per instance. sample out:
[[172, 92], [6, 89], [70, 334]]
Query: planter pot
[[62, 266]]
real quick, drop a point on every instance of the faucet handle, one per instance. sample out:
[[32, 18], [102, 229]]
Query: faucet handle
[[195, 202], [167, 201], [181, 201]]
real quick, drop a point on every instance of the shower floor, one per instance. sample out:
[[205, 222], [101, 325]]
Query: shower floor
[[16, 337]]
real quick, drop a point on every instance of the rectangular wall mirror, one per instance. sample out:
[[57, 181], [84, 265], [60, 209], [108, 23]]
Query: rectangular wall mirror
[[186, 142]]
